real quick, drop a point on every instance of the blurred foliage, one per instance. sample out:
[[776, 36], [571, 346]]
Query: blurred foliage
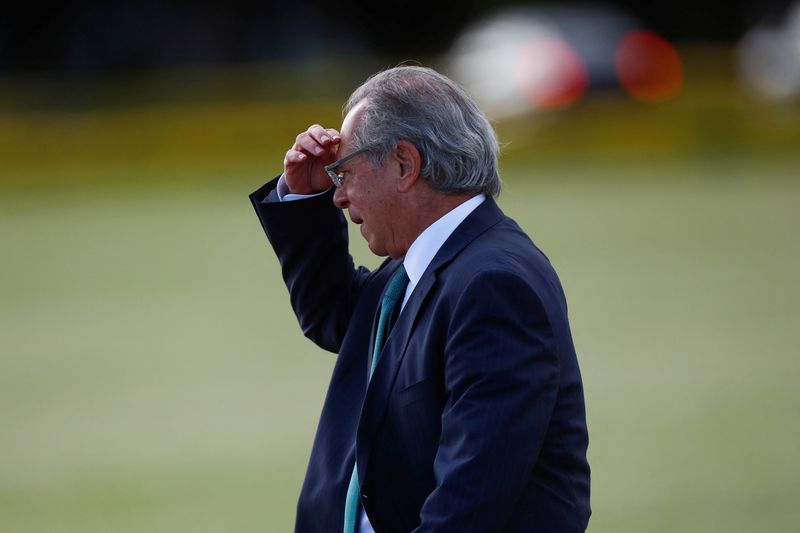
[[219, 123]]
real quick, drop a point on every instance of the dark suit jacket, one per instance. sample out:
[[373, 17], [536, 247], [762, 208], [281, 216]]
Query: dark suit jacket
[[474, 419]]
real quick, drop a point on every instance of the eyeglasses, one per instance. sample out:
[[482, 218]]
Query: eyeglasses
[[338, 177]]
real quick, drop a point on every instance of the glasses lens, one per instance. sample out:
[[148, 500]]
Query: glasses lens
[[336, 177]]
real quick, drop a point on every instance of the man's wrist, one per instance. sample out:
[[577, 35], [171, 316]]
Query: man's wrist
[[286, 195]]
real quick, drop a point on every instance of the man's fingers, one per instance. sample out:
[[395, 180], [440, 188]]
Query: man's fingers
[[324, 136], [317, 140], [319, 134], [303, 162], [293, 156], [327, 136], [306, 143], [334, 135]]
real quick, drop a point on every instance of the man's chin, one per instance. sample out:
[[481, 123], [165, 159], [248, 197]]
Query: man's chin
[[380, 251]]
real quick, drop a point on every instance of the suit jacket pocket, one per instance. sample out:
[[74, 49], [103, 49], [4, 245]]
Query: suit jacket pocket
[[416, 391]]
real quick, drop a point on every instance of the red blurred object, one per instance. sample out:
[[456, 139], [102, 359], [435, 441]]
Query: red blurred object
[[552, 73], [648, 66]]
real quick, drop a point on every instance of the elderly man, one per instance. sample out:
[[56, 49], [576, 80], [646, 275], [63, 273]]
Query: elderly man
[[456, 402]]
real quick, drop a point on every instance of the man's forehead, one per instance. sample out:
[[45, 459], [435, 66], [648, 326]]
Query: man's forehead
[[349, 124], [353, 116]]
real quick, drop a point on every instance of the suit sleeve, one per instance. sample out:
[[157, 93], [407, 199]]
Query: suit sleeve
[[501, 375], [310, 238]]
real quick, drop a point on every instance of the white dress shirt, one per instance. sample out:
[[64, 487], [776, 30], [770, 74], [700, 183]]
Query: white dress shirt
[[424, 248], [418, 257]]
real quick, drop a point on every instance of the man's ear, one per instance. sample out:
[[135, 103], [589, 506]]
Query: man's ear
[[410, 162]]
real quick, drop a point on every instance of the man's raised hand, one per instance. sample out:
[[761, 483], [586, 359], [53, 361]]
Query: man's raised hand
[[304, 164]]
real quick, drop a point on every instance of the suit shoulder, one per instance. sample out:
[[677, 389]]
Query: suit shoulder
[[505, 250], [504, 246]]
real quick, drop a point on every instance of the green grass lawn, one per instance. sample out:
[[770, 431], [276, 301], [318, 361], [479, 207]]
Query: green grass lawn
[[153, 379]]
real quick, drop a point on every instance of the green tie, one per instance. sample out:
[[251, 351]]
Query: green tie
[[391, 298]]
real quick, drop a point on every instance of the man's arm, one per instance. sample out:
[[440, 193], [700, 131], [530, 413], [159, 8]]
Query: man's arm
[[501, 374], [310, 238]]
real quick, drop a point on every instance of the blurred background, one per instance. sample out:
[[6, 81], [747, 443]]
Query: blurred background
[[152, 377]]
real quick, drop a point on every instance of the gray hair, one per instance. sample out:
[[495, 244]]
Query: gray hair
[[457, 144]]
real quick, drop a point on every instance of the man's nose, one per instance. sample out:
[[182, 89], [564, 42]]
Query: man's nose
[[340, 198]]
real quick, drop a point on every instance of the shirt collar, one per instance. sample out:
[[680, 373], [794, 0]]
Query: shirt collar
[[424, 248]]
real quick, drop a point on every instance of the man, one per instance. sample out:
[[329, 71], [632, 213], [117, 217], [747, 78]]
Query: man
[[456, 402]]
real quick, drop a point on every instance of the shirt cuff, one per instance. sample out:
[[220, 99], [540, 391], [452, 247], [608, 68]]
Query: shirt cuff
[[284, 195]]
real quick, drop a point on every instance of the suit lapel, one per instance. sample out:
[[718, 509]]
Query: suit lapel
[[380, 386]]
